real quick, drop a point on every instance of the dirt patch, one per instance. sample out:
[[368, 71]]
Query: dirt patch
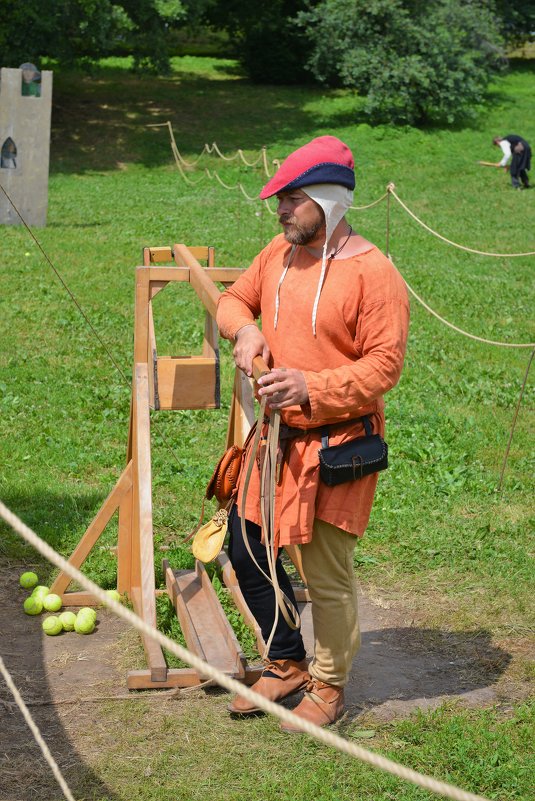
[[400, 667]]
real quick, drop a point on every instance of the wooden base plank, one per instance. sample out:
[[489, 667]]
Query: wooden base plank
[[180, 677], [206, 629], [79, 599]]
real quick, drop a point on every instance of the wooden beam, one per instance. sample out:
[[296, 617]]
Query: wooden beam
[[203, 285], [205, 627], [95, 529], [180, 677], [231, 582], [225, 275], [143, 481], [153, 651]]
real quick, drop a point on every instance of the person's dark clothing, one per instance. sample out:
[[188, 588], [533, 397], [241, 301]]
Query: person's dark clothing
[[520, 160], [258, 592]]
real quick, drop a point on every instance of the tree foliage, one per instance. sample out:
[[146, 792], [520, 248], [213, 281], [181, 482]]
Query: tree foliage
[[264, 36], [517, 20], [72, 31], [414, 62]]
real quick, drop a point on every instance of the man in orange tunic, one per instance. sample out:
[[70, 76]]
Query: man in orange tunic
[[335, 317]]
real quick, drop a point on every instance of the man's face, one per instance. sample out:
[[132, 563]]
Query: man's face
[[301, 217]]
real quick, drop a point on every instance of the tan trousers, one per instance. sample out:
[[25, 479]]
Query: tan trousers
[[328, 568]]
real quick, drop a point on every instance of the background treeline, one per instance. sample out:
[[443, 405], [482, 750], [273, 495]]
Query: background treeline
[[414, 62]]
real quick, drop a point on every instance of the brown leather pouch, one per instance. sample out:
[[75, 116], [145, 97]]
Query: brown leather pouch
[[224, 482]]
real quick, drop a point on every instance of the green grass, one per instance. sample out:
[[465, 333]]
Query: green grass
[[442, 541]]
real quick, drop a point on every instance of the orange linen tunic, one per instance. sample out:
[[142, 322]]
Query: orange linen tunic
[[356, 356]]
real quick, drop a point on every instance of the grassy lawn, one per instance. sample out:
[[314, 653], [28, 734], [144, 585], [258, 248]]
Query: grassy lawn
[[443, 543]]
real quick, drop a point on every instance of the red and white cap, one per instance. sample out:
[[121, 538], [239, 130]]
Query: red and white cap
[[324, 170], [324, 160]]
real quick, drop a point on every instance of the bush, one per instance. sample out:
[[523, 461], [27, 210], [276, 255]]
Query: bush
[[414, 62]]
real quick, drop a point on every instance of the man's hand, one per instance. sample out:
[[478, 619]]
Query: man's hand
[[283, 387], [250, 342]]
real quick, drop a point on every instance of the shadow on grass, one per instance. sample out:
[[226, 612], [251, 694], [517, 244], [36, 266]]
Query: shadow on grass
[[100, 121], [401, 664], [39, 666]]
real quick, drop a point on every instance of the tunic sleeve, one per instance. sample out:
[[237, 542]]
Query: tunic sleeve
[[240, 304]]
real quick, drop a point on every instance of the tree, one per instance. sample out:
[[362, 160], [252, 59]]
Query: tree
[[265, 38], [413, 62], [72, 31], [518, 20]]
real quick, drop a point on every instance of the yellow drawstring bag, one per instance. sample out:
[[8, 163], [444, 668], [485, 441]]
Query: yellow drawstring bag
[[209, 539]]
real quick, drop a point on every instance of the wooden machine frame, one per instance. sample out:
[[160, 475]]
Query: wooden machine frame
[[161, 382]]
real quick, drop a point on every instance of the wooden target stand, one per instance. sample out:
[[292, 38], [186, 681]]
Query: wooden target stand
[[172, 383]]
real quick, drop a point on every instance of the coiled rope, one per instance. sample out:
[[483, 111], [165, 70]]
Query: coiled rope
[[327, 737]]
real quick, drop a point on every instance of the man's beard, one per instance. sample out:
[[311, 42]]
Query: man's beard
[[301, 234]]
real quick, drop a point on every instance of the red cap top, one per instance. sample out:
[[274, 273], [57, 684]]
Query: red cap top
[[324, 160]]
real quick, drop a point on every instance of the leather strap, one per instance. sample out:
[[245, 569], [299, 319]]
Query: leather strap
[[365, 420], [267, 511]]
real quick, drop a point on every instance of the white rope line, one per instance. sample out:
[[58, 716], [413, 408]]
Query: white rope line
[[239, 154], [391, 189], [239, 186], [369, 206], [460, 330], [213, 148], [35, 731], [203, 668]]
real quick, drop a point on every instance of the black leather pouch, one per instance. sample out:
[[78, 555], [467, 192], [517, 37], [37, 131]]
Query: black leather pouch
[[353, 459]]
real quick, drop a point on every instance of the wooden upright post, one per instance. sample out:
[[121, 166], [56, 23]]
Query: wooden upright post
[[169, 383]]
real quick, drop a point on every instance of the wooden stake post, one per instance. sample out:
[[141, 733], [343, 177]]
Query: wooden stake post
[[172, 383]]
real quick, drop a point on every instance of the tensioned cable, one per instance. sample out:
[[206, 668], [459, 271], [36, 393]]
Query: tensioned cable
[[391, 189], [203, 668], [70, 293], [35, 731]]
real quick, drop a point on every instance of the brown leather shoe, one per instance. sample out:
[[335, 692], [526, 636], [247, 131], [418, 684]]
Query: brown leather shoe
[[323, 704], [280, 678]]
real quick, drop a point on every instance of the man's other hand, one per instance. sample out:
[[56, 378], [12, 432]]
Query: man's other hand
[[284, 387]]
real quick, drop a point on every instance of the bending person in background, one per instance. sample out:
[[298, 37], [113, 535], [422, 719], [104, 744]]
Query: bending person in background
[[519, 151], [335, 317]]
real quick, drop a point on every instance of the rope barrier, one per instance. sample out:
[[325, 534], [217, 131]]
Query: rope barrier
[[203, 668], [369, 205], [391, 189], [460, 330], [35, 731], [214, 148]]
